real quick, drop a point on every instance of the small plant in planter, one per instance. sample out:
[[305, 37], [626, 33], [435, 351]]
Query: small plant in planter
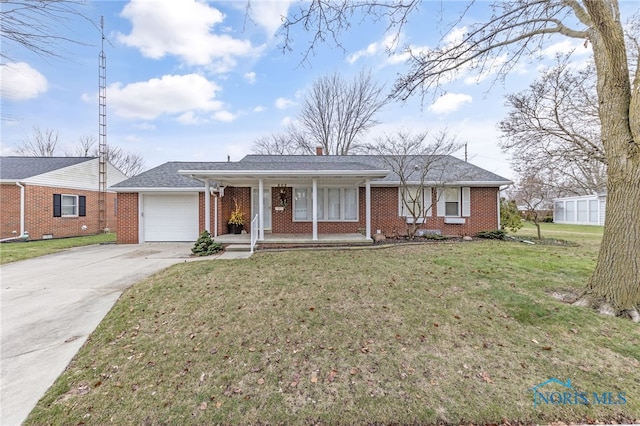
[[236, 221], [205, 245]]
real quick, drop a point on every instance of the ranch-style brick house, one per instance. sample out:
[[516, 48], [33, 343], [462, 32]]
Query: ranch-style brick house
[[54, 197], [303, 195]]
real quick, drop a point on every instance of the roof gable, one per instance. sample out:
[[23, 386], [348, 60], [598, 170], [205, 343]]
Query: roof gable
[[18, 168]]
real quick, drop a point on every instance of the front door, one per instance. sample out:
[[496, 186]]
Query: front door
[[267, 206]]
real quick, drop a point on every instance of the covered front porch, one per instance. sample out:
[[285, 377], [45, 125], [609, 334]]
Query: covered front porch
[[286, 208]]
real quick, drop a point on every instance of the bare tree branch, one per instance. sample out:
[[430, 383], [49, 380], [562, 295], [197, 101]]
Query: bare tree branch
[[41, 143], [554, 125], [335, 114], [38, 25], [418, 165]]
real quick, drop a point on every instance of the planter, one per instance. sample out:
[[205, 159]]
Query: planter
[[234, 229]]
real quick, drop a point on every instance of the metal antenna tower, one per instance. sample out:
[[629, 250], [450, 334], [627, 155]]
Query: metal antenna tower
[[102, 133]]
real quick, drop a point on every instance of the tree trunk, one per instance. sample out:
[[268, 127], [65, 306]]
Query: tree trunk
[[614, 286]]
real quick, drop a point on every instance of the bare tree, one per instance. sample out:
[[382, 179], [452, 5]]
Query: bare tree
[[287, 143], [536, 195], [514, 30], [335, 114], [37, 25], [128, 163], [41, 143], [554, 125], [420, 166]]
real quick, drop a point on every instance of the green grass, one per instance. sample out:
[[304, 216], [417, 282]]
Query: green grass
[[21, 250], [421, 334]]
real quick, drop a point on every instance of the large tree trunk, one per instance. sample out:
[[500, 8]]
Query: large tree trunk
[[614, 286]]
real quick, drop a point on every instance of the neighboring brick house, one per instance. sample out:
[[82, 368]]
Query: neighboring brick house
[[355, 193], [53, 197]]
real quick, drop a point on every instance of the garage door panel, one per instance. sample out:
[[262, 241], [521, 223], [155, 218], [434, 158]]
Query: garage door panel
[[171, 217]]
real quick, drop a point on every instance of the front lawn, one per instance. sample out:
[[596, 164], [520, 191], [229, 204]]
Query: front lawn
[[21, 250], [421, 334]]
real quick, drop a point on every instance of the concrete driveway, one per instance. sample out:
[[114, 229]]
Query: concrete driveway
[[51, 304]]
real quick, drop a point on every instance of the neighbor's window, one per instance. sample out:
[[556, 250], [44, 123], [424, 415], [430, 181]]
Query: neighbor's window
[[583, 213], [452, 202], [69, 205], [593, 211]]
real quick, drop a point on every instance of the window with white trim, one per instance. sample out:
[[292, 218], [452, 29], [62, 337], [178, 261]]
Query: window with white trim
[[302, 204], [414, 200], [66, 205], [69, 205], [334, 204], [452, 201]]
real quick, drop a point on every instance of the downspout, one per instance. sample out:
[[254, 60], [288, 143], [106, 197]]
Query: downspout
[[22, 233]]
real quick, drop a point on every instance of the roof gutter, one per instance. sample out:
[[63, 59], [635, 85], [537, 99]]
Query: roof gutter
[[488, 183], [209, 174], [156, 189]]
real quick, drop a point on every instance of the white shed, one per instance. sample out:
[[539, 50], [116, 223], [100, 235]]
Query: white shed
[[580, 210]]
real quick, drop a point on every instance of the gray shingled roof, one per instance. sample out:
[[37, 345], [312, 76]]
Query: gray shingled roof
[[444, 168], [166, 176], [25, 167]]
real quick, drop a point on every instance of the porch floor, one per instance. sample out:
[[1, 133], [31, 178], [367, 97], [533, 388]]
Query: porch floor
[[297, 239]]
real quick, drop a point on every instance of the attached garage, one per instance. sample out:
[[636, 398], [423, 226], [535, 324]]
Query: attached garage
[[170, 217]]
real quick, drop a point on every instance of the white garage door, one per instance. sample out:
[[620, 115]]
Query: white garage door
[[170, 217]]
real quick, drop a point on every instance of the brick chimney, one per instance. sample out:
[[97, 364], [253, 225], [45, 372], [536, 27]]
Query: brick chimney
[[319, 150]]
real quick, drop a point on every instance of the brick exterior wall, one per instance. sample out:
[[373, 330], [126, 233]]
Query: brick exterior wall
[[384, 214], [9, 210], [39, 220], [226, 206], [127, 231]]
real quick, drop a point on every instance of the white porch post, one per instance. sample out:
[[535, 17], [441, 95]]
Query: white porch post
[[260, 210], [215, 214], [314, 198], [367, 192], [207, 205]]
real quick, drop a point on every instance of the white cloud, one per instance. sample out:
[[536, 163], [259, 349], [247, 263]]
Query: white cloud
[[259, 108], [225, 116], [284, 103], [182, 28], [20, 82], [189, 118], [455, 36], [145, 126], [171, 94], [449, 103], [250, 77], [386, 45], [577, 47], [269, 14]]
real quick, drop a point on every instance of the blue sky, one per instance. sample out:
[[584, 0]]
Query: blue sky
[[196, 81]]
